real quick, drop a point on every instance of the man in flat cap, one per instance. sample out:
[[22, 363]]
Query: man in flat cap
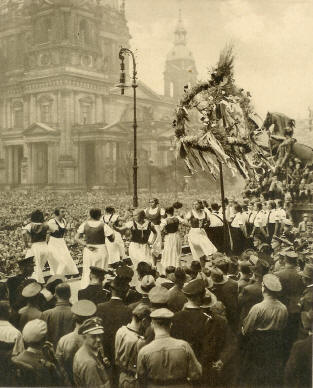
[[31, 310], [166, 361], [293, 288], [36, 365], [94, 291], [114, 314], [176, 297], [129, 340], [262, 338], [90, 367], [70, 343]]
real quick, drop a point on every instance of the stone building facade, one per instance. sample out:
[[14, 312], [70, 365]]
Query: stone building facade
[[63, 123]]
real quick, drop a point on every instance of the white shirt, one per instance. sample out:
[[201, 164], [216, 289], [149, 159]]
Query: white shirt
[[9, 334], [93, 224], [53, 224], [281, 215], [153, 211], [259, 220], [110, 218], [238, 221], [131, 224], [272, 216], [196, 215], [216, 219]]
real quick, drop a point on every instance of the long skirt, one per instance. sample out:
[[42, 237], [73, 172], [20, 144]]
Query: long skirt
[[116, 249], [61, 257], [97, 258], [199, 243], [157, 245], [140, 252], [216, 235], [42, 255], [238, 241], [172, 250]]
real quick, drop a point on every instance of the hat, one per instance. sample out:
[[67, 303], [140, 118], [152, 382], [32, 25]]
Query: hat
[[288, 222], [147, 283], [54, 278], [305, 215], [195, 266], [194, 287], [291, 255], [158, 295], [261, 268], [84, 308], [209, 299], [35, 331], [162, 314], [97, 271], [218, 276], [26, 260], [125, 272], [91, 326], [141, 311], [307, 271], [118, 284], [272, 282], [31, 290], [162, 281]]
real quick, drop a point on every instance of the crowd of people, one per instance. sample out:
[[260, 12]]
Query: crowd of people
[[234, 312]]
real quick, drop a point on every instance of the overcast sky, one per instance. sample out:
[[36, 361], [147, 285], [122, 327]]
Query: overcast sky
[[273, 42]]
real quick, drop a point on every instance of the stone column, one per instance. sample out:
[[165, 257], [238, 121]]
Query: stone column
[[32, 109], [10, 164], [99, 109], [61, 120], [15, 165], [8, 115], [81, 163], [51, 164]]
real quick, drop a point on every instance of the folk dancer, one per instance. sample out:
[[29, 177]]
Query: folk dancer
[[272, 220], [154, 214], [200, 245], [35, 236], [215, 231], [57, 244], [238, 231], [172, 241], [116, 249], [95, 252]]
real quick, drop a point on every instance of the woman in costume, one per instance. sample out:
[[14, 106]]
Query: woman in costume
[[116, 249], [172, 241], [57, 245], [92, 234], [200, 245], [154, 213], [140, 244], [35, 239]]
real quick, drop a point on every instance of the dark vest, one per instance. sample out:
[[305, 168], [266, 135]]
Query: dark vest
[[154, 218], [94, 235], [171, 226], [140, 236], [38, 232], [59, 233]]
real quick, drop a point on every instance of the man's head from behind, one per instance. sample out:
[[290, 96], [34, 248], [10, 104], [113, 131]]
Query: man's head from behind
[[63, 292]]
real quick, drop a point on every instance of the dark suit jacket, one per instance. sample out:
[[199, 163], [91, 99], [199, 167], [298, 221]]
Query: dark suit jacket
[[292, 288], [94, 293], [250, 295], [298, 371], [114, 314], [227, 293]]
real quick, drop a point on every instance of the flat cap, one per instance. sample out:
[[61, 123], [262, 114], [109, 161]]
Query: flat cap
[[146, 284], [209, 299], [291, 255], [35, 331], [194, 287], [162, 314], [218, 276], [55, 278], [272, 283], [84, 308], [91, 326], [97, 271], [261, 267], [31, 290], [158, 295]]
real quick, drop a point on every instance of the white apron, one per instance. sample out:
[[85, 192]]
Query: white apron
[[97, 258], [172, 250], [42, 255], [199, 243], [61, 255]]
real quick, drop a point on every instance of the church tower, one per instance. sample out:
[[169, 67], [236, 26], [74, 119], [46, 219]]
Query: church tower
[[180, 67]]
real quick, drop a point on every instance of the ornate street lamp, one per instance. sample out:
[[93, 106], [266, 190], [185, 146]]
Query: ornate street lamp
[[134, 85]]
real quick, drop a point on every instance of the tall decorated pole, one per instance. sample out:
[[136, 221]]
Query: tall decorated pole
[[225, 227], [134, 85]]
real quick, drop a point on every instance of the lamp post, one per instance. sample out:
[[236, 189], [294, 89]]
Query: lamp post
[[134, 85]]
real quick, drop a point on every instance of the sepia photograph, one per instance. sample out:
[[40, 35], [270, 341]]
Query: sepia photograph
[[156, 193]]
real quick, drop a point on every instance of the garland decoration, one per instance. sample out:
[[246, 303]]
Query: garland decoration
[[228, 126]]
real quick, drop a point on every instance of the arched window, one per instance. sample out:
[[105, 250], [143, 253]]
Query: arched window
[[18, 119], [84, 35]]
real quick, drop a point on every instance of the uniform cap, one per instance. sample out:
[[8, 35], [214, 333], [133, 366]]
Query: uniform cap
[[307, 271], [125, 272], [31, 290], [35, 331], [218, 276], [162, 281], [158, 295], [84, 308], [162, 314], [272, 283], [146, 284], [55, 278], [97, 271], [288, 222], [194, 287], [195, 266], [91, 326], [261, 268], [305, 215]]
